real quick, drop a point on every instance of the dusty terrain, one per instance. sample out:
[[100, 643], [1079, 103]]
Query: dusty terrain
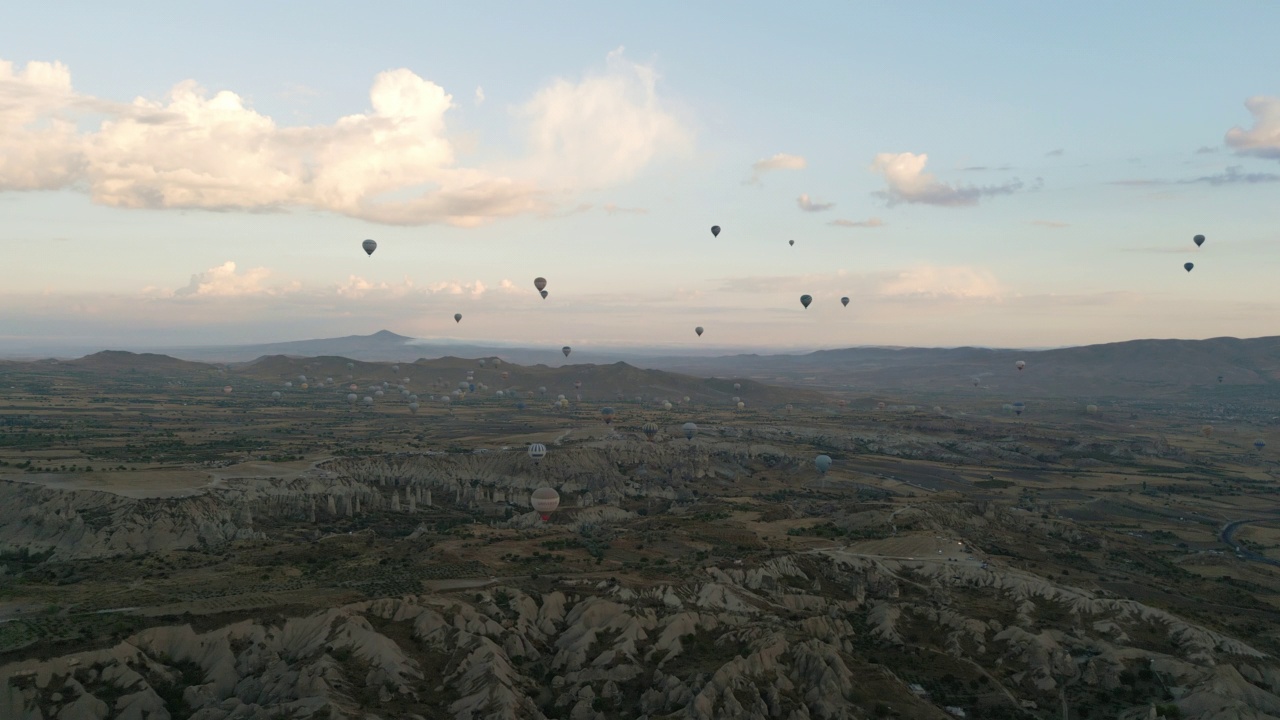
[[171, 550]]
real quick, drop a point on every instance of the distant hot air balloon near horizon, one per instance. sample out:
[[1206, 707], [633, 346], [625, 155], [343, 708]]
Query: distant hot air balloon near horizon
[[351, 398], [413, 408], [845, 301], [1091, 409], [540, 283], [805, 300], [607, 414], [537, 451], [690, 430], [737, 386], [566, 350], [1020, 364], [791, 242], [1018, 407], [543, 293], [1188, 266], [1259, 443], [369, 246], [545, 500], [275, 395], [698, 330], [1198, 240], [715, 231], [227, 390], [741, 405], [457, 317], [650, 430]]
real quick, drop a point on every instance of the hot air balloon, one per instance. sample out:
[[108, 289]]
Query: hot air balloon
[[650, 431], [540, 283], [698, 330], [823, 462], [977, 381], [275, 395], [1259, 443], [545, 500], [737, 386], [368, 401], [607, 413], [1199, 240], [666, 405], [566, 350], [542, 390], [305, 386], [544, 294], [537, 451], [288, 384], [715, 231], [737, 399], [686, 398], [457, 317], [413, 408], [805, 300], [1188, 266], [227, 390], [741, 405], [577, 384], [351, 398], [690, 430], [1091, 409], [369, 246], [791, 242], [1020, 364], [378, 393], [845, 301], [1220, 378], [1018, 407]]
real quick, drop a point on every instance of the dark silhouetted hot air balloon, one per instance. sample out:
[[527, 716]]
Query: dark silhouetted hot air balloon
[[1199, 240], [1188, 266], [698, 330], [369, 246], [805, 300], [715, 231], [457, 317], [845, 301]]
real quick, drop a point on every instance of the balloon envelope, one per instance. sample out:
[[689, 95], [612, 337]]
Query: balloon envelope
[[540, 283], [1020, 364], [545, 500], [650, 430], [715, 231], [1199, 240], [369, 246], [457, 317], [1188, 266], [805, 300], [844, 301], [1259, 443], [566, 350], [689, 430], [537, 451], [791, 242], [544, 294], [823, 462], [698, 330]]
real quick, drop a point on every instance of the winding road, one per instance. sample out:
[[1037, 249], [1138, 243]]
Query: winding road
[[1227, 533]]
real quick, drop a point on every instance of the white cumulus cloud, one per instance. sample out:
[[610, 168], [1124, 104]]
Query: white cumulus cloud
[[1263, 139], [224, 282], [909, 183], [808, 205], [779, 161], [395, 163], [603, 129]]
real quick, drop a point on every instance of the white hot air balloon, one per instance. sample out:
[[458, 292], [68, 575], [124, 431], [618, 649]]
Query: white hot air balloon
[[537, 451], [545, 500]]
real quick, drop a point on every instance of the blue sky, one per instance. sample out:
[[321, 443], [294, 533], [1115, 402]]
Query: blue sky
[[1072, 152]]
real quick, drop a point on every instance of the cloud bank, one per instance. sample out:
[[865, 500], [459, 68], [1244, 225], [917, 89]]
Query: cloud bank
[[1263, 139], [395, 163]]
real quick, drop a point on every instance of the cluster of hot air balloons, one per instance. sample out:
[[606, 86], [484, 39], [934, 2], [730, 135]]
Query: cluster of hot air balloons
[[1198, 240]]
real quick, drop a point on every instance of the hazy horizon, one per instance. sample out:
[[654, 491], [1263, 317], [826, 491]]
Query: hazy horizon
[[1025, 177]]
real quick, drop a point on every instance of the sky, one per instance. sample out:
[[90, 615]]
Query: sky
[[1006, 174]]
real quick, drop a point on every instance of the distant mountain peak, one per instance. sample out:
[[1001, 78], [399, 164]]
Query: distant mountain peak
[[388, 335]]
